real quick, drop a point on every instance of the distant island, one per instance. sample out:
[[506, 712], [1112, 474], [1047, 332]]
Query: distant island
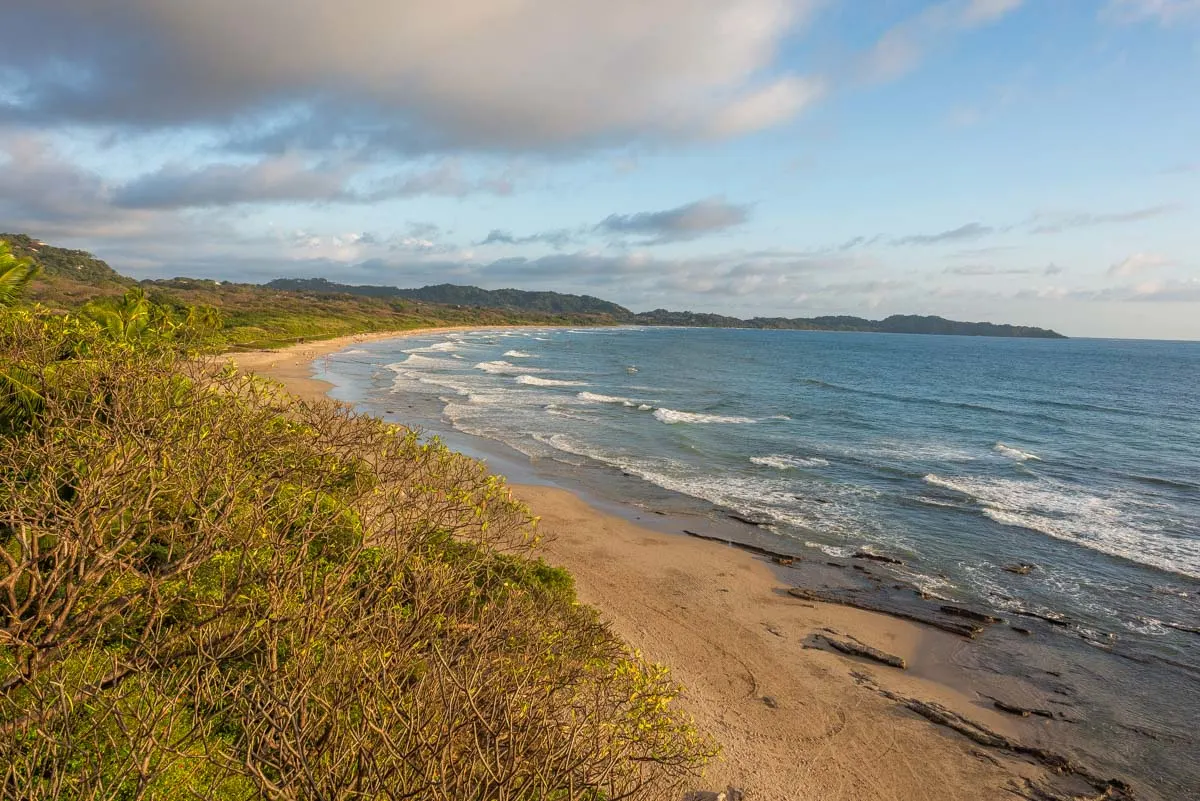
[[559, 303]]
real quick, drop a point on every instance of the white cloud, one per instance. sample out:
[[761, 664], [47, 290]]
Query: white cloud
[[287, 178], [338, 247], [1054, 223], [689, 221], [969, 231], [1138, 263], [902, 48], [982, 12], [300, 178], [1165, 12], [1185, 291], [767, 107]]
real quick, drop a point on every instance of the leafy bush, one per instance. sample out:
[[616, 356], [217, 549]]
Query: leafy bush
[[212, 590]]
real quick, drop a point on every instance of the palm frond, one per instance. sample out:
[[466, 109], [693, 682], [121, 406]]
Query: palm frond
[[15, 275]]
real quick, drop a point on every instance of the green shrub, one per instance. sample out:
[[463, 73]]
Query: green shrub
[[209, 589]]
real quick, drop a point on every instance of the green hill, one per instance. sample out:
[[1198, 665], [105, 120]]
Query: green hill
[[517, 300], [454, 295], [896, 324], [77, 265], [68, 277]]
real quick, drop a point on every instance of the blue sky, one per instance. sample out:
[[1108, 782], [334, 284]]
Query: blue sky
[[1026, 161]]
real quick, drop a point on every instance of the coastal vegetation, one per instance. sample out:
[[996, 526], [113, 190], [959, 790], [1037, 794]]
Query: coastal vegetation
[[255, 316], [516, 300], [210, 589], [452, 294], [290, 310]]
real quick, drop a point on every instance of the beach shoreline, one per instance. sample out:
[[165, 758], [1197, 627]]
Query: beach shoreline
[[794, 718]]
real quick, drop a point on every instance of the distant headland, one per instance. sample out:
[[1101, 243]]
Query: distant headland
[[560, 303]]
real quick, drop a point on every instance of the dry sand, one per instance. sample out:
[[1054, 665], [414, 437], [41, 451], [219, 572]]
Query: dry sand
[[791, 720]]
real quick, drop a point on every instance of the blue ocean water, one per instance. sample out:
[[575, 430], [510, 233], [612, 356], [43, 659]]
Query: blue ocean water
[[958, 455]]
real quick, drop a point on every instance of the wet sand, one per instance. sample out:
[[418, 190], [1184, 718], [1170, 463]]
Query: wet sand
[[795, 718]]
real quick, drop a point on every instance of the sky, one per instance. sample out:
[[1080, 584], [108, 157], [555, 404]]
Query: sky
[[1025, 161]]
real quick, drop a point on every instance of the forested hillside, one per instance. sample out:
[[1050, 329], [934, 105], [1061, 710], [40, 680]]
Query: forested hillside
[[451, 294], [557, 302]]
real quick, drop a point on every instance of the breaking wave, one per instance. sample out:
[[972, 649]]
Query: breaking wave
[[593, 397], [671, 417], [548, 382], [1015, 454], [499, 367], [424, 362], [780, 462], [1100, 523], [439, 347]]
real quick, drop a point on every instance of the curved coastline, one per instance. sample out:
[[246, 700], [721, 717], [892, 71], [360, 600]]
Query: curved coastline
[[794, 718]]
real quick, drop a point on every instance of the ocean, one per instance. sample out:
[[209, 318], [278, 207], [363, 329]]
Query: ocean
[[959, 456]]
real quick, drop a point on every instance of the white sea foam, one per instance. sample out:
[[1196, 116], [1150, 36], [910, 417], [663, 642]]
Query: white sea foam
[[644, 407], [353, 352], [465, 417], [518, 354], [761, 496], [931, 585], [902, 451], [1111, 524], [593, 397], [558, 411], [779, 417], [837, 551], [499, 367], [671, 417], [436, 380], [548, 382], [416, 360], [783, 462], [1015, 454], [438, 347], [925, 499]]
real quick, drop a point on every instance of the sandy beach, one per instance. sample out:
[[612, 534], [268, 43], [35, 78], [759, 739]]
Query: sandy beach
[[794, 718]]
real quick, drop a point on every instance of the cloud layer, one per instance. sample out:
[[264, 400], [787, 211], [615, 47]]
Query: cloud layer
[[417, 75]]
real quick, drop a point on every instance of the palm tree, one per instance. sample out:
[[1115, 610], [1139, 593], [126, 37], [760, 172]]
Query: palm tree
[[126, 320], [204, 318], [15, 275]]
